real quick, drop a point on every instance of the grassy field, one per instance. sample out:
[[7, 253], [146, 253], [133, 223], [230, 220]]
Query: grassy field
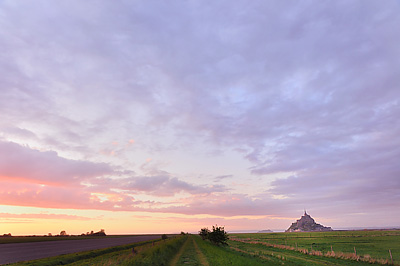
[[155, 253], [196, 251], [324, 248], [370, 246]]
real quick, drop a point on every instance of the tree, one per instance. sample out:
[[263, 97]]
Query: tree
[[204, 233], [102, 232], [164, 236], [63, 233], [218, 236]]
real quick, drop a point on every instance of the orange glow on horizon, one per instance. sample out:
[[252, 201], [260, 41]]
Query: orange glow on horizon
[[38, 221]]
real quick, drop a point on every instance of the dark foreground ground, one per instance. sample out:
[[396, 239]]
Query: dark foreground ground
[[10, 253]]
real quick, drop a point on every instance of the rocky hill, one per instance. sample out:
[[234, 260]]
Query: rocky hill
[[307, 224]]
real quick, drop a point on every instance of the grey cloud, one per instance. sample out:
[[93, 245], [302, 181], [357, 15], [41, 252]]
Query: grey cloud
[[19, 132], [221, 177], [309, 88], [165, 186]]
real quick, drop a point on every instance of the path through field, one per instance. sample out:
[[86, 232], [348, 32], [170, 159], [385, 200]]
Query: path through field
[[10, 253], [189, 254]]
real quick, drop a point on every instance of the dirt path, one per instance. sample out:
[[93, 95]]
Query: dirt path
[[10, 253], [190, 254], [200, 254], [179, 254]]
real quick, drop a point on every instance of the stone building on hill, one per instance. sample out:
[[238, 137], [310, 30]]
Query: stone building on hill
[[307, 224]]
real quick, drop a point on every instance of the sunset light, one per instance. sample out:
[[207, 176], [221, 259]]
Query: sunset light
[[153, 117]]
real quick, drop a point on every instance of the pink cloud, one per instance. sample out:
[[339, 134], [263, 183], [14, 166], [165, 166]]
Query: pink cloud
[[19, 194], [43, 216], [23, 163], [30, 177]]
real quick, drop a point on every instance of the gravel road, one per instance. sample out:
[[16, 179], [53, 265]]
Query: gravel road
[[10, 253]]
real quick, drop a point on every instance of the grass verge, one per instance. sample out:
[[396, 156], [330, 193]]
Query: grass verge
[[224, 255], [158, 255]]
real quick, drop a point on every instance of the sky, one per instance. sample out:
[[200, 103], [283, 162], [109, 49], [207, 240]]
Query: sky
[[147, 116]]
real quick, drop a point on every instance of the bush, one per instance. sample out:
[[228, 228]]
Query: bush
[[217, 236], [204, 233]]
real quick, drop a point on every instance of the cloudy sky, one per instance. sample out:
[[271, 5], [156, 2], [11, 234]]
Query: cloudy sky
[[168, 116]]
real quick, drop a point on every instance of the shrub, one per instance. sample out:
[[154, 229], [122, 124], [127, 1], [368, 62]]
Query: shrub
[[204, 233], [217, 236]]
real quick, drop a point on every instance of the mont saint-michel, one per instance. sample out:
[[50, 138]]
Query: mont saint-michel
[[307, 224]]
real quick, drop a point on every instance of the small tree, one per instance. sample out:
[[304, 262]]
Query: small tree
[[204, 233], [218, 236], [63, 233], [164, 237]]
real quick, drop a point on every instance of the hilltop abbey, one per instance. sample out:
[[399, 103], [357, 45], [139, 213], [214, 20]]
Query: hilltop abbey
[[307, 224]]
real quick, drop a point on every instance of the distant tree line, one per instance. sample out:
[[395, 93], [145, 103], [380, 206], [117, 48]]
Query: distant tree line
[[64, 233], [217, 236], [99, 233]]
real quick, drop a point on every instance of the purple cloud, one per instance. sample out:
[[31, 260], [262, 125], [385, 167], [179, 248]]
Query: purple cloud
[[306, 93], [18, 162]]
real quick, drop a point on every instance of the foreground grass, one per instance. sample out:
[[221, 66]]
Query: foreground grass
[[289, 257], [224, 255], [245, 249], [156, 253], [370, 246], [184, 250]]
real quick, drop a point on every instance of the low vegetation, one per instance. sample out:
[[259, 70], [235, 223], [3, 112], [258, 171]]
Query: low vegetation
[[217, 236], [323, 248], [381, 247]]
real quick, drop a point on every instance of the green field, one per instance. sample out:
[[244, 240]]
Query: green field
[[324, 248], [371, 246]]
